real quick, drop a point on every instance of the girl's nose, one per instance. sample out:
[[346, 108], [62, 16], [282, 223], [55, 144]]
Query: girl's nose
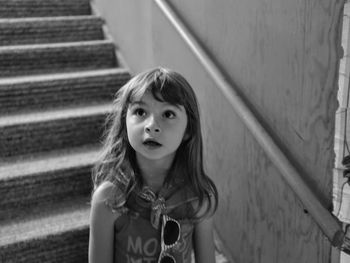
[[152, 125]]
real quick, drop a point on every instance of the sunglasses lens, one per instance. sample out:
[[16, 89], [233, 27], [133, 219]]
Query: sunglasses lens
[[167, 259], [171, 233]]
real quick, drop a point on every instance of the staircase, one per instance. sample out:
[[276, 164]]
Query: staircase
[[58, 74]]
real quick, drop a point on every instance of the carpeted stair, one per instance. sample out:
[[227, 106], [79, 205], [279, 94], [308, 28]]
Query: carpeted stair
[[58, 74]]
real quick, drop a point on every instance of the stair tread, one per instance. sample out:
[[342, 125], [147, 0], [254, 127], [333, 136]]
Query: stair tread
[[60, 76], [16, 48], [65, 216], [15, 8], [51, 161], [55, 114], [47, 91], [49, 18], [34, 59]]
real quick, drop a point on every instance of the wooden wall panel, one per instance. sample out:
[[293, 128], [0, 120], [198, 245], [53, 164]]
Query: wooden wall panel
[[284, 56]]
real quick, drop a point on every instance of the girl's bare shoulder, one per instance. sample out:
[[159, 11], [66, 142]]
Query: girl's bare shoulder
[[103, 192], [101, 198]]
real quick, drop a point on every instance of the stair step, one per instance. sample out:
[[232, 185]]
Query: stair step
[[28, 184], [28, 133], [48, 91], [61, 57], [38, 8], [56, 234], [19, 31]]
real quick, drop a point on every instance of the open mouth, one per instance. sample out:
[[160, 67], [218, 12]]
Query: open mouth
[[151, 143]]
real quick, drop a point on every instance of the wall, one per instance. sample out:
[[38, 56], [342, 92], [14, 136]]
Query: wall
[[283, 56], [130, 25]]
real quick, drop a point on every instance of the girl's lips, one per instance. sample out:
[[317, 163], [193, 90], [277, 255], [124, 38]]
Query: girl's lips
[[152, 143]]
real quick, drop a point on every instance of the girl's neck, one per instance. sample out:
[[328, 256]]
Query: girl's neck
[[153, 173]]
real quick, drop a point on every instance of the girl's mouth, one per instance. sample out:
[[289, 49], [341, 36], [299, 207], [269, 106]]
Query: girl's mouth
[[151, 143]]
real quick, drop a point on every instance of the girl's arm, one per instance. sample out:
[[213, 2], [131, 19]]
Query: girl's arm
[[102, 219], [204, 248], [204, 241]]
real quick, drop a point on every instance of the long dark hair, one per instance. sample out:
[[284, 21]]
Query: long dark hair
[[117, 162]]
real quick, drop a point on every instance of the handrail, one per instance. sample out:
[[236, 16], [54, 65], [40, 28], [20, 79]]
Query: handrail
[[328, 224]]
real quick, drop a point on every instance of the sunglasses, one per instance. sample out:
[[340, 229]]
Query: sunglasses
[[170, 235]]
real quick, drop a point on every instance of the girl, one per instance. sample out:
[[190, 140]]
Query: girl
[[152, 200]]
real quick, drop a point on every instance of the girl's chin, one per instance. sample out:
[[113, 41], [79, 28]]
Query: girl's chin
[[155, 156]]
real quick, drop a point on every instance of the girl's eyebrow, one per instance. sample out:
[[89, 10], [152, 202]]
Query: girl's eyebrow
[[178, 107], [166, 104], [139, 103]]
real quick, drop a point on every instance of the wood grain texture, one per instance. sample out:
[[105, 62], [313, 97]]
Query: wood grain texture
[[284, 56]]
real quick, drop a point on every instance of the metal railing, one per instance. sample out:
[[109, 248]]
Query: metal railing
[[330, 226]]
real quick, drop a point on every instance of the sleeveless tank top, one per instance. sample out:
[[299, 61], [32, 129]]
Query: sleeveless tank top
[[137, 231]]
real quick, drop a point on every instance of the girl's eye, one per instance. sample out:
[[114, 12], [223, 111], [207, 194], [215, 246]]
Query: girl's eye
[[140, 112], [169, 114]]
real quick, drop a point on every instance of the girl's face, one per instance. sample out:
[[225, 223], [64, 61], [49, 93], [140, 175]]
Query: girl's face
[[155, 129]]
